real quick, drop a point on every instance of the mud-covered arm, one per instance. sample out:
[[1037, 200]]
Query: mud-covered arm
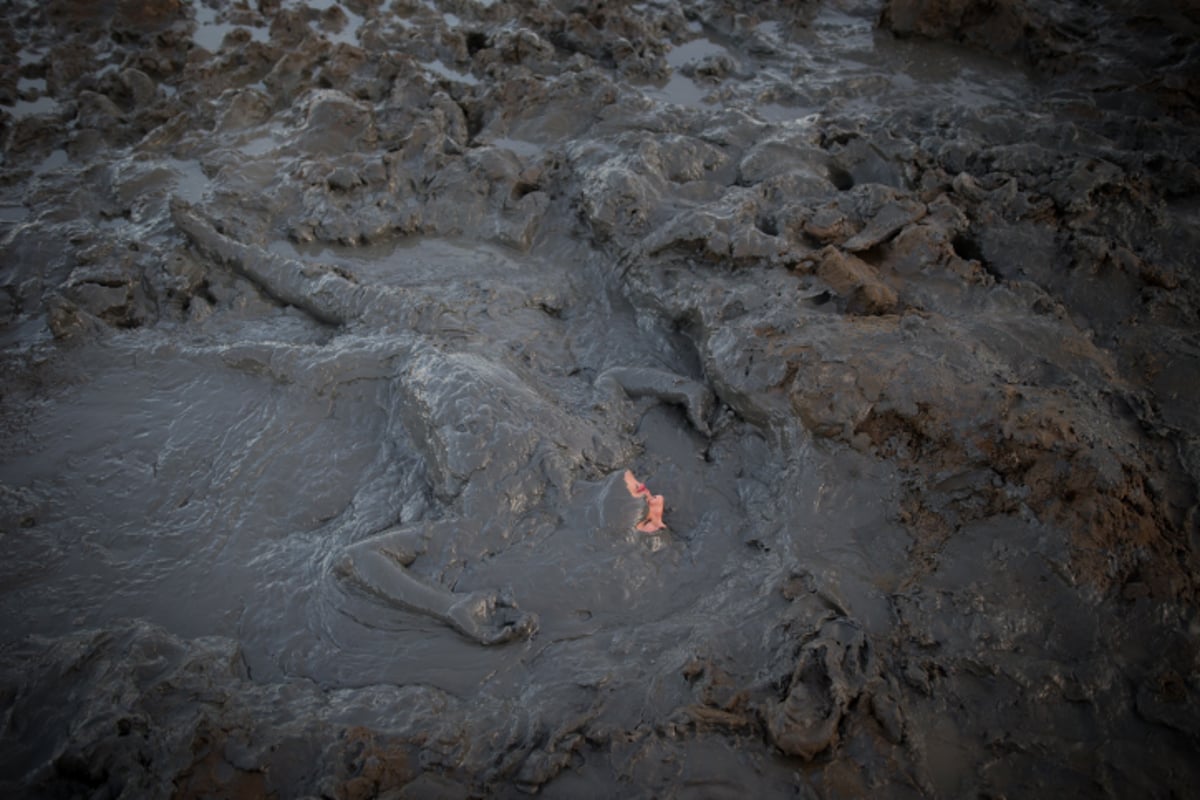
[[321, 292], [695, 397], [379, 566]]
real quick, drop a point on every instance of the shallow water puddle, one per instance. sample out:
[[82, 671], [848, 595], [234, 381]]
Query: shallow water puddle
[[210, 33], [679, 88], [347, 34], [31, 108]]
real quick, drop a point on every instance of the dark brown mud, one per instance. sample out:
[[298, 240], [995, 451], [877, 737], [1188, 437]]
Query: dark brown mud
[[894, 301]]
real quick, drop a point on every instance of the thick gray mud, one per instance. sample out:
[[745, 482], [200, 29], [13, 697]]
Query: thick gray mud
[[329, 329]]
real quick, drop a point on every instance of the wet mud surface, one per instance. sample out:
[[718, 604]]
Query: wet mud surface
[[329, 330]]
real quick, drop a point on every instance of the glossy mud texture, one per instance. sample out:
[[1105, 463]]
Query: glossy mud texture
[[329, 332]]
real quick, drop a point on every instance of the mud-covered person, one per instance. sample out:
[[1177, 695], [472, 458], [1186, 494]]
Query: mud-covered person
[[494, 443]]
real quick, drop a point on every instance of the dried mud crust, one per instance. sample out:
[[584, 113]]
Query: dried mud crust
[[830, 672], [1127, 523]]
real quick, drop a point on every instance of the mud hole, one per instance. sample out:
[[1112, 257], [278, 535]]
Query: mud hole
[[329, 329]]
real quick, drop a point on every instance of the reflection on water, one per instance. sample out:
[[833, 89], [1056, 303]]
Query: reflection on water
[[839, 63], [681, 89], [31, 108], [210, 33]]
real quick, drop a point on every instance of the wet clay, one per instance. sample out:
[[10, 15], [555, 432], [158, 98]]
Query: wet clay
[[660, 399]]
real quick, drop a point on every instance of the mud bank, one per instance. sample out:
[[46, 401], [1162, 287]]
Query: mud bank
[[895, 303]]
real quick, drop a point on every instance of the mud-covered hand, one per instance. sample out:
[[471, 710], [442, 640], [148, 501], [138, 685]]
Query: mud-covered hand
[[491, 617]]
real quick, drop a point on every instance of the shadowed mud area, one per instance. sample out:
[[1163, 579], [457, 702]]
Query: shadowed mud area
[[328, 331]]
